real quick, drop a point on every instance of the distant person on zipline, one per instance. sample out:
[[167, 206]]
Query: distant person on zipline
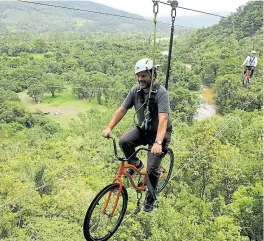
[[153, 130], [251, 62]]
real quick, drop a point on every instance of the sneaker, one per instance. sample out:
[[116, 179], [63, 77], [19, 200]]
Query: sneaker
[[149, 203], [139, 167]]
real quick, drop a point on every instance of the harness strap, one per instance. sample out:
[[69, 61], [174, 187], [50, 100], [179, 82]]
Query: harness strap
[[251, 60], [141, 96], [153, 97], [149, 104]]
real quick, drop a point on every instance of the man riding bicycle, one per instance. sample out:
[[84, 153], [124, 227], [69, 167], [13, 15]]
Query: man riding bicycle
[[251, 63], [154, 127]]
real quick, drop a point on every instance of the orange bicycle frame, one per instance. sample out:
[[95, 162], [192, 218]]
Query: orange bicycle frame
[[248, 73], [118, 179]]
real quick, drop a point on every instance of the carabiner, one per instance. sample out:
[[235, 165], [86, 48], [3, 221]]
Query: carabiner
[[155, 7], [173, 13]]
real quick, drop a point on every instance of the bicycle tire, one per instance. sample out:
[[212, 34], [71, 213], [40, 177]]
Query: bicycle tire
[[167, 167], [89, 219], [244, 80]]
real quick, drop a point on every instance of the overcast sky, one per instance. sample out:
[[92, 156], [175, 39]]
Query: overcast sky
[[144, 7]]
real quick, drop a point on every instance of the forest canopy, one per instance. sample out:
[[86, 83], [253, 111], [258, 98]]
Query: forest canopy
[[49, 174]]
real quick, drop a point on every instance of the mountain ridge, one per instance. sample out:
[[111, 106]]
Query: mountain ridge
[[196, 21], [40, 17]]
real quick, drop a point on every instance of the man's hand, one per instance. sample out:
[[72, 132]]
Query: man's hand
[[156, 149], [107, 132]]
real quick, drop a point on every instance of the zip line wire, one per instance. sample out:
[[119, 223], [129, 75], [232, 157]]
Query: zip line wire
[[193, 10], [97, 12], [122, 16], [212, 14], [197, 153], [67, 174]]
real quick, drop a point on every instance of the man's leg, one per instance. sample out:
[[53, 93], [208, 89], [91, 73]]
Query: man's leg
[[128, 141], [252, 71], [153, 170]]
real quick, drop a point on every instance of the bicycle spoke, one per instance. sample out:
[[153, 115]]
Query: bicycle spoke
[[101, 224], [96, 224], [163, 170]]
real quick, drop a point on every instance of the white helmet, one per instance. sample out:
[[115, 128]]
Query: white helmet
[[143, 65], [253, 52]]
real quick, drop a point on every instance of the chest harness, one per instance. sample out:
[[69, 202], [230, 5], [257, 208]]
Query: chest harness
[[251, 61], [149, 106]]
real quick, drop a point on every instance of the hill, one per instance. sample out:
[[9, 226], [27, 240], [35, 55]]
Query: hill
[[36, 18], [197, 21]]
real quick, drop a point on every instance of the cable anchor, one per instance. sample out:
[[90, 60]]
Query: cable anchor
[[174, 4]]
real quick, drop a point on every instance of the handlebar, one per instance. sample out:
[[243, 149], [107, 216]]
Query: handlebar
[[123, 158]]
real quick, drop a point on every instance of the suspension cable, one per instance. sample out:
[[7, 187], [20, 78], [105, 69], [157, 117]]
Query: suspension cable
[[147, 111], [174, 5], [198, 11], [97, 12], [155, 11]]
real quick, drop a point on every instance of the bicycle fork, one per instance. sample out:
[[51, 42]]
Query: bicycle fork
[[116, 200]]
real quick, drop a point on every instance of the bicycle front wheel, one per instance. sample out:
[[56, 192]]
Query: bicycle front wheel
[[245, 80], [166, 168], [99, 224]]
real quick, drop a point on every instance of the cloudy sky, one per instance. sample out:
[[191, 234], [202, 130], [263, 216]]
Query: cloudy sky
[[144, 7]]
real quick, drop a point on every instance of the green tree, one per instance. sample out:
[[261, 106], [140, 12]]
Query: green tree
[[36, 92]]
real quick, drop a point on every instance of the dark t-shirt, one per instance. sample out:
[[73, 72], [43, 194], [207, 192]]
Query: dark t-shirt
[[161, 105]]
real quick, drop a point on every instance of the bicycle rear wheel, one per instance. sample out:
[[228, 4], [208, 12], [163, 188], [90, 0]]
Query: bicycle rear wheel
[[166, 168], [99, 225]]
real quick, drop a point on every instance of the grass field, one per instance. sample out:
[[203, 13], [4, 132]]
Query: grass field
[[65, 102]]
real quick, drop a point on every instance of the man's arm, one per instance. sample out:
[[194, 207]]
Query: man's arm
[[118, 115], [245, 61], [256, 62], [162, 128]]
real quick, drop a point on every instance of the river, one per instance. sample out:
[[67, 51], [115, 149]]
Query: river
[[208, 108]]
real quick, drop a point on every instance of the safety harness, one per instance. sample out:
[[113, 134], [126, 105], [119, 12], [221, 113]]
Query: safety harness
[[149, 105], [251, 60]]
